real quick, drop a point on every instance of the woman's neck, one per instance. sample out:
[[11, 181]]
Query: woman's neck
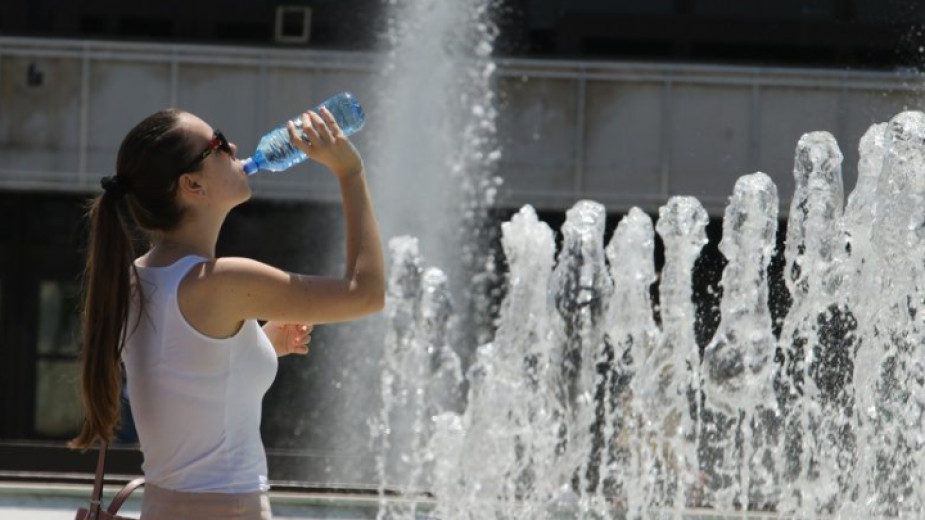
[[173, 249], [192, 238]]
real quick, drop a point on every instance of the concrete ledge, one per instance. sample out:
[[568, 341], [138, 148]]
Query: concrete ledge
[[53, 501], [56, 501]]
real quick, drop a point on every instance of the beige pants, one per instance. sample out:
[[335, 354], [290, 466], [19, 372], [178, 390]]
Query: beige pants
[[164, 504]]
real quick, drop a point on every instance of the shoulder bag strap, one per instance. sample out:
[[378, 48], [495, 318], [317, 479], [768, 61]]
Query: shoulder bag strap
[[97, 496], [123, 494]]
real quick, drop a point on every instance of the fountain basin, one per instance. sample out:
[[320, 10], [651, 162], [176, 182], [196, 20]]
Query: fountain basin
[[58, 501]]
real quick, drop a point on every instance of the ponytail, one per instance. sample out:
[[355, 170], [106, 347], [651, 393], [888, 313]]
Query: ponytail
[[150, 159], [107, 292]]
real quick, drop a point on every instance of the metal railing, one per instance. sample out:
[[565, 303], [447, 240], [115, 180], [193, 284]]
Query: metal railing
[[562, 165]]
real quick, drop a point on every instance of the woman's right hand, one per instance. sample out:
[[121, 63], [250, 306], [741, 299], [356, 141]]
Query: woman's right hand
[[327, 143]]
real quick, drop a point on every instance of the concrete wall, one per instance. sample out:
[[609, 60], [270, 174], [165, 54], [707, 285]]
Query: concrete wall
[[635, 134], [624, 134]]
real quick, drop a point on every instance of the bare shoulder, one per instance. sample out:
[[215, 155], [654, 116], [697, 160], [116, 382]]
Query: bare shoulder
[[213, 293]]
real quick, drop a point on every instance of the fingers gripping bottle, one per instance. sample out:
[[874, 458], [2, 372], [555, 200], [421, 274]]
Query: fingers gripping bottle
[[275, 152]]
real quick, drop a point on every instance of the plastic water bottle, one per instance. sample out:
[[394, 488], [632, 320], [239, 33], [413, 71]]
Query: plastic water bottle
[[276, 153]]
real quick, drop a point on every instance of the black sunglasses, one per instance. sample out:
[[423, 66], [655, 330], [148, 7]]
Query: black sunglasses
[[218, 142]]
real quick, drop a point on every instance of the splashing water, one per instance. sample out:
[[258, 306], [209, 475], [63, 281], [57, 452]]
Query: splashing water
[[584, 406]]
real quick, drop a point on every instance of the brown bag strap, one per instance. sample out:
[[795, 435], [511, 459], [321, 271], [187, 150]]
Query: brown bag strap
[[97, 496], [123, 494]]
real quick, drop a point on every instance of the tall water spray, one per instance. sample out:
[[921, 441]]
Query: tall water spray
[[421, 375], [511, 419], [632, 338], [665, 385], [888, 376], [739, 409], [817, 334], [434, 154], [435, 151]]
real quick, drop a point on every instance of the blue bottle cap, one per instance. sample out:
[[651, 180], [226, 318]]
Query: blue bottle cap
[[250, 166]]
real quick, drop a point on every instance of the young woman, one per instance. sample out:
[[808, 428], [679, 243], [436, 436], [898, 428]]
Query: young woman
[[183, 323]]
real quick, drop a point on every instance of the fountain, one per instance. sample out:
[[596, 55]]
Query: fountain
[[584, 399], [583, 406]]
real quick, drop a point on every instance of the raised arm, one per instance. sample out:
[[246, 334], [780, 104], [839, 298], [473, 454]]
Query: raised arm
[[246, 289]]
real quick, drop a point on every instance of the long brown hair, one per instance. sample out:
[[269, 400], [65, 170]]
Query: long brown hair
[[149, 163]]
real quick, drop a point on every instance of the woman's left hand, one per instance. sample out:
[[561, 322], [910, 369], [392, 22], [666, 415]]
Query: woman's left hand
[[289, 338]]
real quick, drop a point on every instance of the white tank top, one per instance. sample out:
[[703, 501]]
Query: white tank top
[[196, 400]]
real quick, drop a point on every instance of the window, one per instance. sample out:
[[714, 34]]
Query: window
[[293, 24], [57, 397]]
